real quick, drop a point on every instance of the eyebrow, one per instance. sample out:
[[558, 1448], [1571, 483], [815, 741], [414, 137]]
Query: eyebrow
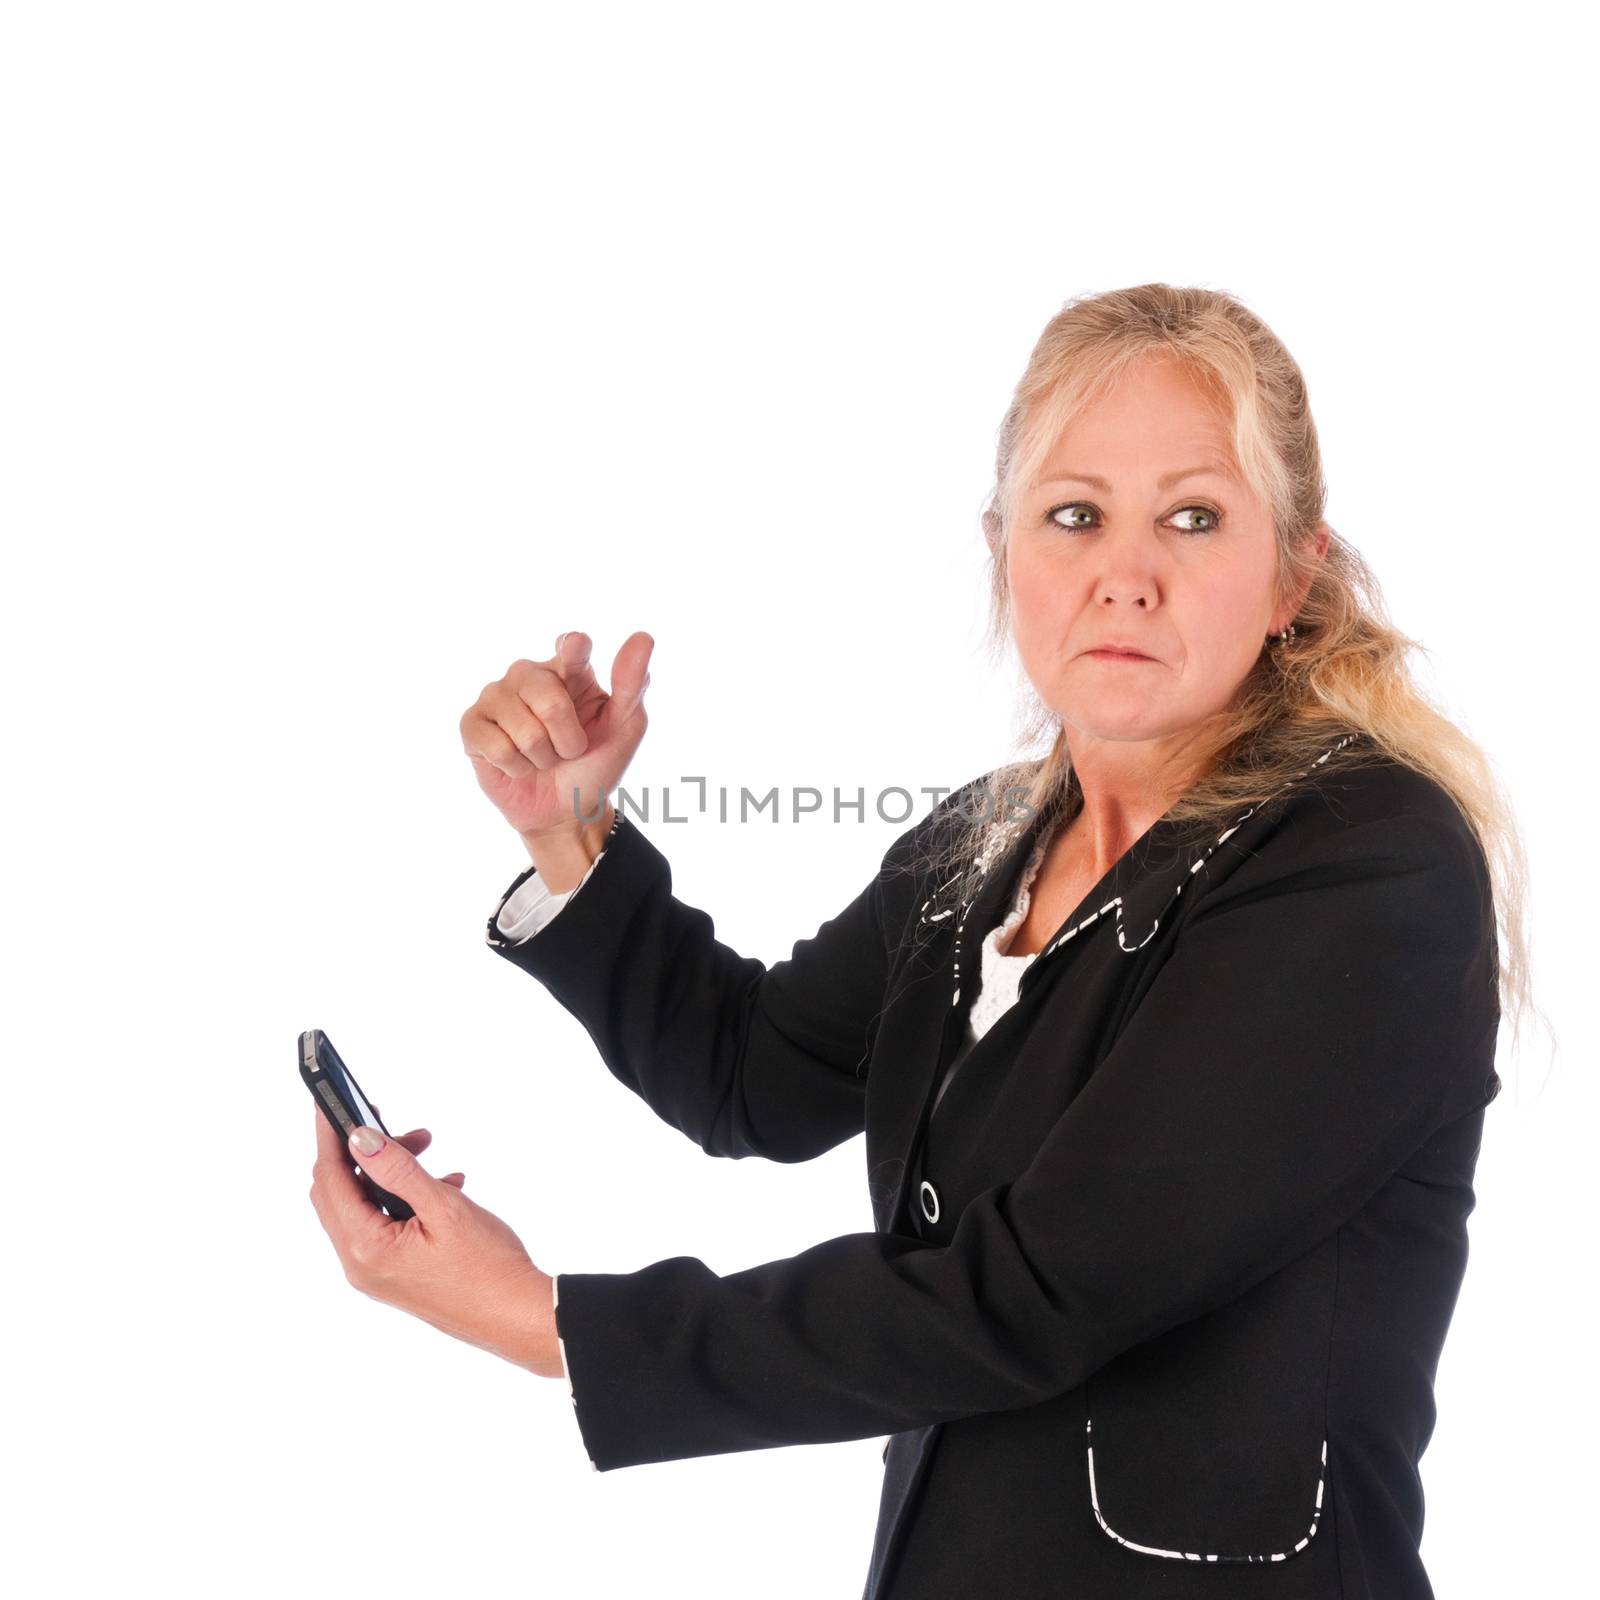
[[1166, 481]]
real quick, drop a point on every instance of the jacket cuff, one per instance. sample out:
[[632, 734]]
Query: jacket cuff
[[528, 906], [526, 911], [561, 1346], [594, 917]]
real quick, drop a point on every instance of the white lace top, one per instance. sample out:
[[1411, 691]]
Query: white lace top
[[1002, 973]]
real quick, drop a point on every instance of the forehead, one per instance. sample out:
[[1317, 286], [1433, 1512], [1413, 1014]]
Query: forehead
[[1155, 423]]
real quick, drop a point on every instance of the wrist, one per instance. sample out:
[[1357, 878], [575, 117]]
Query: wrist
[[533, 1345], [563, 854]]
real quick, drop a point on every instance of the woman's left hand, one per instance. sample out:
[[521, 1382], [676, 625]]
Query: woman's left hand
[[453, 1264]]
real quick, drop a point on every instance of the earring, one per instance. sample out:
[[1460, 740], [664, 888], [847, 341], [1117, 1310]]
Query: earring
[[1284, 635]]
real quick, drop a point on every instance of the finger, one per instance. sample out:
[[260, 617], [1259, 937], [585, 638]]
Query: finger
[[394, 1169], [508, 705], [573, 666], [549, 701], [416, 1141], [459, 1179], [489, 745], [630, 673]]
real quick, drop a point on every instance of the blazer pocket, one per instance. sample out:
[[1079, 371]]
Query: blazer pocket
[[1209, 1443]]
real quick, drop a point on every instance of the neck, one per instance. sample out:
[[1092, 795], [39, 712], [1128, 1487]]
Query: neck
[[1127, 786]]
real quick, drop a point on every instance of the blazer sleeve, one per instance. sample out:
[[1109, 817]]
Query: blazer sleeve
[[1317, 1018], [522, 912], [743, 1059]]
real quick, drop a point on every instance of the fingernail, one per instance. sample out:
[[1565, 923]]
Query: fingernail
[[367, 1140]]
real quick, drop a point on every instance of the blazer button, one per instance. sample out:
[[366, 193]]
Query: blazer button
[[930, 1201]]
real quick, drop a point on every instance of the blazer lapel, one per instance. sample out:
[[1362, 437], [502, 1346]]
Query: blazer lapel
[[1133, 898], [1137, 894], [947, 1002]]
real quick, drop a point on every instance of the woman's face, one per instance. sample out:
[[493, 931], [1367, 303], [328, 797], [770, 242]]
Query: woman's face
[[1118, 542]]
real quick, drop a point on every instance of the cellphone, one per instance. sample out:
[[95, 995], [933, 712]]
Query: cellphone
[[334, 1088]]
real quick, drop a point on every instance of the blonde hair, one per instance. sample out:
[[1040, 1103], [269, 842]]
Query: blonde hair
[[1344, 669]]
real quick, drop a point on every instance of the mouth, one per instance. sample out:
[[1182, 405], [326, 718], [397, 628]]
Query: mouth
[[1118, 655]]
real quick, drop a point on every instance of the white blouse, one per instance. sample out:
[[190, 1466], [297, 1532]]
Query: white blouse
[[532, 906], [1002, 973]]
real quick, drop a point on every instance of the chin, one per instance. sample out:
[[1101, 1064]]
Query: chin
[[1120, 722], [1117, 730]]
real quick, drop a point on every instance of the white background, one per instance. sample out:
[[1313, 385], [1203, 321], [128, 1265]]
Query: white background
[[352, 352]]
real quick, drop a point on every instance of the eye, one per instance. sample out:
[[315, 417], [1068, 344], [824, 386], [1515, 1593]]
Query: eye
[[1054, 514], [1211, 518]]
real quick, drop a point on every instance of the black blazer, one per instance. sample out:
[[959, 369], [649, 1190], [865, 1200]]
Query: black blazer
[[1160, 1286]]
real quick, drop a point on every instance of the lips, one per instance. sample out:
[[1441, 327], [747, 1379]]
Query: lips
[[1114, 654]]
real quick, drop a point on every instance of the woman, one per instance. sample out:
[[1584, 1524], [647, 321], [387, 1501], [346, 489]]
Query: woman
[[1171, 1048]]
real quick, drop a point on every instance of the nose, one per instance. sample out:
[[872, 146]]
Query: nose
[[1127, 575], [1123, 594]]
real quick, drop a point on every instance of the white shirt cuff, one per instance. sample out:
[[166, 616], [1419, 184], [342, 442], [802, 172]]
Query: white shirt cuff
[[532, 905]]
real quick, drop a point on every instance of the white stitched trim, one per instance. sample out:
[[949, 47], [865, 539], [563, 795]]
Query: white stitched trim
[[1193, 1555], [1195, 865], [939, 916], [998, 847]]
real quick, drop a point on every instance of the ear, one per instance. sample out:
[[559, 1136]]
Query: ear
[[1317, 548]]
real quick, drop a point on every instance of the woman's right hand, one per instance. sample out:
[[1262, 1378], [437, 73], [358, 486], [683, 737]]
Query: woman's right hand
[[547, 728]]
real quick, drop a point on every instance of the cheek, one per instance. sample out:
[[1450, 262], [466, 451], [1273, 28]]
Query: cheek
[[1037, 618], [1220, 621], [1036, 589]]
